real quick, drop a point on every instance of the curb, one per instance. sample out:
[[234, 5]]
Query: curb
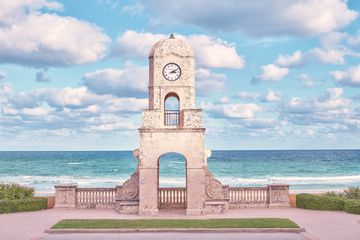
[[188, 230]]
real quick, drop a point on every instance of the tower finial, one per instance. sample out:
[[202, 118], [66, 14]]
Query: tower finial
[[172, 36]]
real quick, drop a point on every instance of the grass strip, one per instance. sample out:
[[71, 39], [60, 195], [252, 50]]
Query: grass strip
[[175, 223]]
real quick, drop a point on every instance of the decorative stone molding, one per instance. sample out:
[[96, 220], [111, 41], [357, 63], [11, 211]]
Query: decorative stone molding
[[214, 188], [127, 195], [65, 196], [191, 118], [278, 195], [217, 195]]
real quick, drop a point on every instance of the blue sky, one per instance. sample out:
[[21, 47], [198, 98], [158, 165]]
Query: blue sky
[[270, 74]]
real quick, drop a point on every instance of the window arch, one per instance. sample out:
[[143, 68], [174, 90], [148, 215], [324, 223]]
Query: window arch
[[171, 109]]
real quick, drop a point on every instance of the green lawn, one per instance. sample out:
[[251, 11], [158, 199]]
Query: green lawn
[[174, 223]]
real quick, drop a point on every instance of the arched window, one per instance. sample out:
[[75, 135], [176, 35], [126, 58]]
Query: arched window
[[171, 109]]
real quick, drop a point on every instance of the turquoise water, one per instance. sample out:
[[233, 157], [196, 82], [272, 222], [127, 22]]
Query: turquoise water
[[309, 170]]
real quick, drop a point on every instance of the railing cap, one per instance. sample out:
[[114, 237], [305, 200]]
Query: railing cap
[[278, 185], [66, 186]]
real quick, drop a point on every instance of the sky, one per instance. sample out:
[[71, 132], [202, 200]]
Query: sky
[[279, 74]]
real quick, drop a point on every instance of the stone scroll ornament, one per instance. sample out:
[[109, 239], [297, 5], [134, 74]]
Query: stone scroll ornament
[[214, 188], [130, 189]]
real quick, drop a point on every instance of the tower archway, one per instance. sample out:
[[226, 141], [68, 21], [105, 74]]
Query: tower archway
[[171, 109], [172, 181]]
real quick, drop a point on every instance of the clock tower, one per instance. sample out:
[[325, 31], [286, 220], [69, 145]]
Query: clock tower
[[172, 124]]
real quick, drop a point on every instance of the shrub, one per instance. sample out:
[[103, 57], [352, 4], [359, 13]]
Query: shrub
[[30, 204], [317, 202], [352, 193], [333, 194], [352, 206], [13, 191]]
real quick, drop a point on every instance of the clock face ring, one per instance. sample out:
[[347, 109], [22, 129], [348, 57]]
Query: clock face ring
[[171, 72]]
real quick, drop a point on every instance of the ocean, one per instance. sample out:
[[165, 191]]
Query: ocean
[[304, 170]]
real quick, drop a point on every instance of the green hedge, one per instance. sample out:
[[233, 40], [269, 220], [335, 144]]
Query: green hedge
[[31, 204], [352, 206], [318, 202], [13, 191]]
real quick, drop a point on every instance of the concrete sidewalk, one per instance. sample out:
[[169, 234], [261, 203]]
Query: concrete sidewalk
[[318, 224]]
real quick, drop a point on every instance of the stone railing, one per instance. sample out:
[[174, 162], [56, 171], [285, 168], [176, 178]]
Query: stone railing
[[248, 196], [95, 197], [274, 195], [172, 197], [70, 196]]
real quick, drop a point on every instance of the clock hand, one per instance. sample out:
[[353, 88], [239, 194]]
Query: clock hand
[[174, 71]]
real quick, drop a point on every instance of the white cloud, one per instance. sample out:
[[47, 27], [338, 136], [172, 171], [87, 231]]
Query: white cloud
[[333, 39], [40, 77], [354, 41], [272, 96], [136, 44], [127, 82], [306, 80], [67, 97], [207, 82], [72, 109], [247, 95], [258, 17], [113, 126], [210, 52], [215, 53], [294, 60], [271, 73], [134, 10], [229, 110], [328, 55], [349, 77], [27, 39], [329, 107], [2, 76]]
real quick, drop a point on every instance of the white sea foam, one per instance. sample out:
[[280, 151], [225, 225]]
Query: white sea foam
[[45, 184], [293, 180]]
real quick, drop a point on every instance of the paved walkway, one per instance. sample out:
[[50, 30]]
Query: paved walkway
[[318, 224]]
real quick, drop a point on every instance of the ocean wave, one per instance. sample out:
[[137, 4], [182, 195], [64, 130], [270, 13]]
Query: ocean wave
[[75, 163], [45, 184], [294, 180]]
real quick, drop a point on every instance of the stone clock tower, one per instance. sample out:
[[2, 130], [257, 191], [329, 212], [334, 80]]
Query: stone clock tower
[[172, 124]]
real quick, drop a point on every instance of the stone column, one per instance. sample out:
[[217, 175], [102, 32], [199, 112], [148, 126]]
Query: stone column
[[195, 187], [278, 195], [65, 196], [148, 182]]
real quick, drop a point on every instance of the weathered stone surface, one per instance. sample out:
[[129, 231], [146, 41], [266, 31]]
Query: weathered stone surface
[[65, 196], [216, 207], [127, 207], [127, 195], [279, 195]]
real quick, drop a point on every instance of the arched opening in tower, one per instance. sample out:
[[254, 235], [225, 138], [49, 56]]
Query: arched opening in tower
[[172, 181], [172, 109]]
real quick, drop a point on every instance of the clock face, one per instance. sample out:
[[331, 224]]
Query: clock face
[[172, 71]]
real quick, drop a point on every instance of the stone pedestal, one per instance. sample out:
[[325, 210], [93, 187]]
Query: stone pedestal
[[127, 207], [195, 178], [278, 195], [148, 192], [65, 196]]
